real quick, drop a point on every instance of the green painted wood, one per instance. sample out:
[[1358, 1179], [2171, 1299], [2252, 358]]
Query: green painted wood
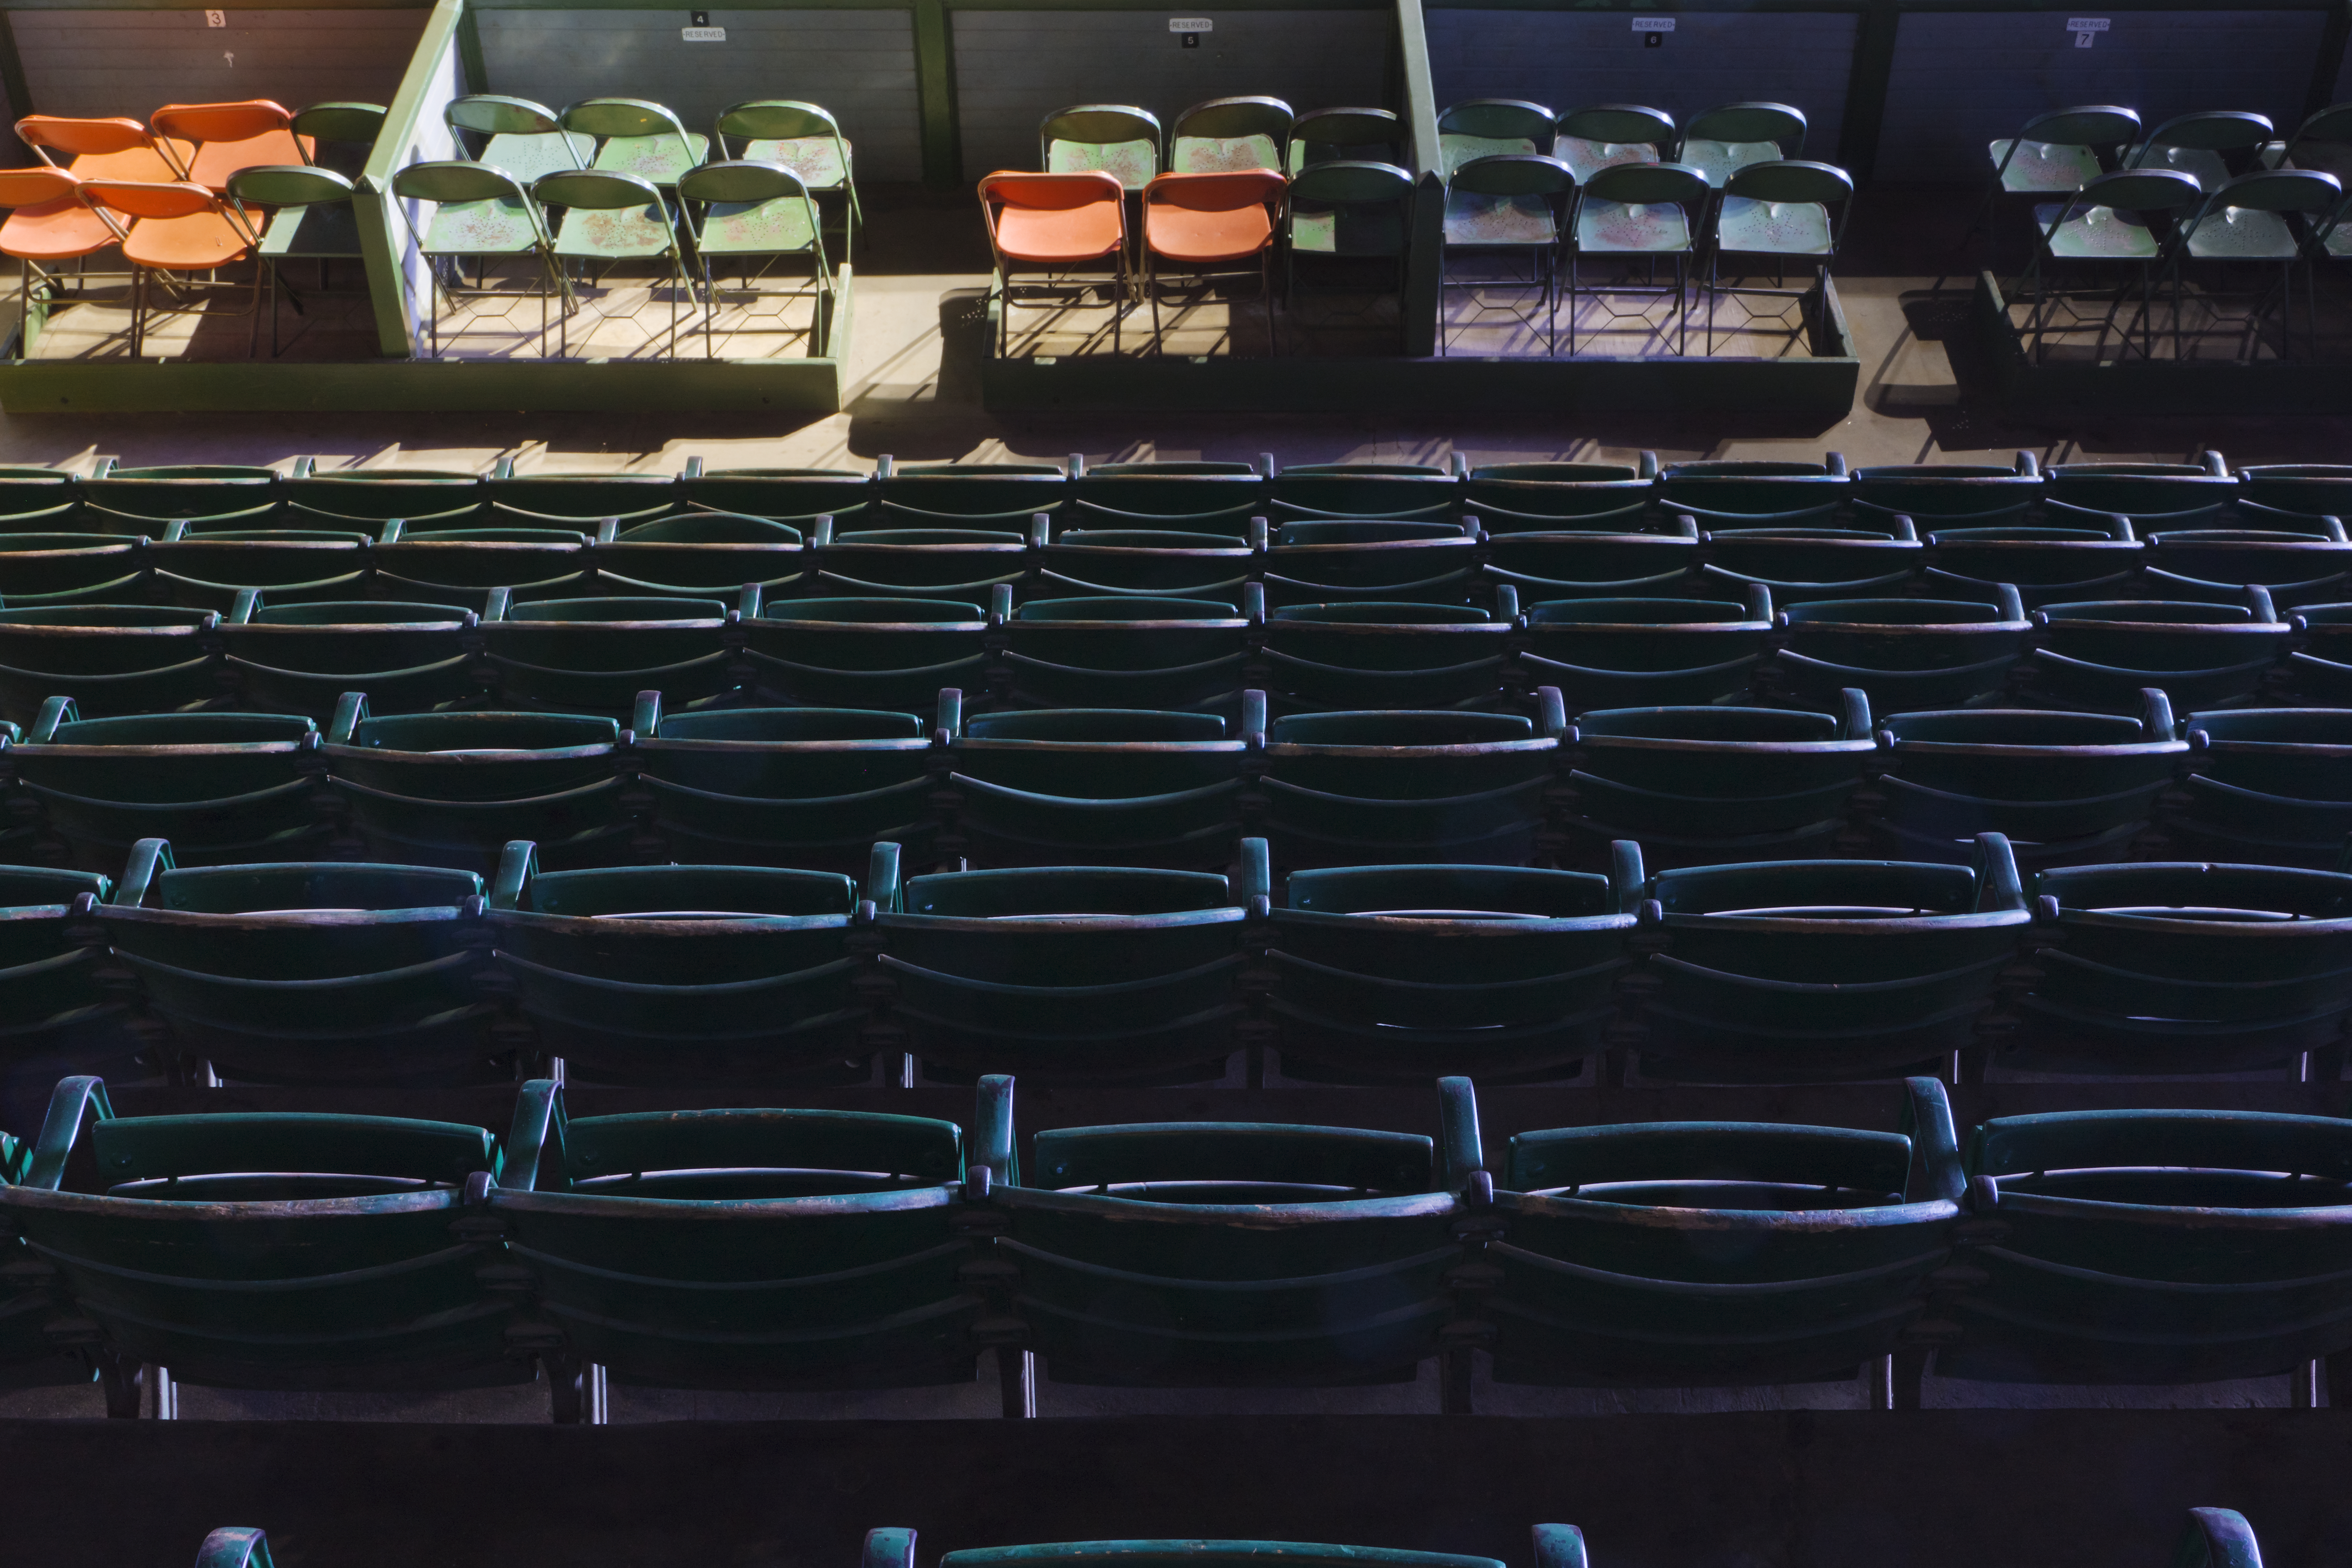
[[474, 72], [1424, 254], [382, 234], [935, 94], [1866, 89], [2327, 65]]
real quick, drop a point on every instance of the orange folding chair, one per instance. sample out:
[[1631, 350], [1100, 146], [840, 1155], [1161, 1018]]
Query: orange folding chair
[[116, 148], [48, 223], [1056, 224], [232, 136], [177, 229], [1212, 226]]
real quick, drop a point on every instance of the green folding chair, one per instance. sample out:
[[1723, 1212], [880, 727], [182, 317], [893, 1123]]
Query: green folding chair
[[610, 217], [1640, 212], [339, 136], [1603, 135], [313, 221], [483, 214], [525, 139], [1225, 136], [1116, 138], [1344, 212], [1332, 135], [1781, 210], [2052, 154], [1491, 127], [803, 138], [1506, 202], [1719, 142], [2211, 147], [739, 211], [637, 137]]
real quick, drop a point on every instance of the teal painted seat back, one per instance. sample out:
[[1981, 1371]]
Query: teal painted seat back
[[1563, 563], [208, 571], [1097, 971], [71, 568], [999, 493], [1325, 560], [893, 653], [1207, 497], [1512, 496], [1964, 495], [1801, 560], [1352, 787], [594, 655], [38, 501], [577, 501], [463, 566], [654, 973], [1130, 650], [926, 560], [2152, 495], [797, 496], [376, 496], [272, 1250], [2213, 563], [219, 495], [302, 658], [1376, 654], [1754, 494], [806, 787], [1633, 651], [1225, 1253], [1420, 971], [1691, 1253], [55, 1005], [226, 787], [2098, 655], [2044, 564], [1155, 563], [697, 553], [2189, 966], [1826, 969], [2308, 490], [1395, 490], [1191, 1554], [759, 1248], [2155, 1246], [109, 658], [1904, 653]]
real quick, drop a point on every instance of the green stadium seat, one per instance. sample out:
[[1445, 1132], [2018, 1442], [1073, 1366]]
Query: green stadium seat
[[2320, 672], [40, 501], [576, 500], [1087, 563], [1438, 787], [1244, 1253], [57, 1012], [2100, 654], [1545, 498], [1368, 653], [702, 554], [1173, 1554], [225, 788], [452, 788], [2295, 567], [794, 495], [424, 497], [2307, 489], [37, 569], [301, 658], [208, 570], [1941, 495], [864, 652], [2188, 967], [1714, 785], [1800, 564], [1392, 492], [2065, 788], [111, 659], [593, 656], [2267, 787], [1070, 974], [1812, 970], [1581, 564], [969, 495], [1324, 562], [2153, 496], [462, 566], [1186, 497], [1127, 651], [1751, 494], [269, 1249], [1691, 1253], [1644, 652], [1905, 654], [919, 563], [662, 974], [1093, 786], [2046, 565], [1410, 973], [750, 1249], [805, 787], [141, 500]]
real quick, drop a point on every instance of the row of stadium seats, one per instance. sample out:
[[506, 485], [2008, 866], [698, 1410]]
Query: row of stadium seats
[[1762, 971], [717, 555], [2213, 1538], [814, 787], [1209, 496], [597, 655], [777, 1248]]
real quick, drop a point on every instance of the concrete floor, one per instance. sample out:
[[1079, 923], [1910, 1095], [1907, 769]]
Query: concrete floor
[[918, 335]]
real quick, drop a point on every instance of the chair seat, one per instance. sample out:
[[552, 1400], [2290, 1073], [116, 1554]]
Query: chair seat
[[186, 244], [1184, 234], [613, 233], [815, 159], [2099, 234], [1474, 220], [498, 227], [142, 163], [1348, 231], [1454, 149], [776, 227], [2242, 234], [527, 154], [217, 160], [329, 229], [1718, 160], [1654, 228], [2204, 166], [53, 231], [1059, 237], [2046, 166], [1223, 155], [1774, 228], [1133, 161], [658, 158], [1587, 158]]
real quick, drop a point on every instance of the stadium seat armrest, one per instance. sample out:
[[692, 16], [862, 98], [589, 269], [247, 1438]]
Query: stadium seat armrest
[[74, 1103]]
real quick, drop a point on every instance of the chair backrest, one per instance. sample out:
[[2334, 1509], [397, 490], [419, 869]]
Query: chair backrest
[[1645, 183], [1349, 182], [2214, 130], [340, 121], [774, 119], [1782, 124], [1087, 137], [1791, 179], [740, 180], [75, 137], [622, 116], [32, 186], [2329, 127], [137, 198], [289, 185], [454, 179], [2090, 125], [495, 114], [1513, 174], [603, 190], [2134, 190], [1498, 120], [239, 121], [2278, 191], [1340, 129], [1233, 119], [1622, 124]]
